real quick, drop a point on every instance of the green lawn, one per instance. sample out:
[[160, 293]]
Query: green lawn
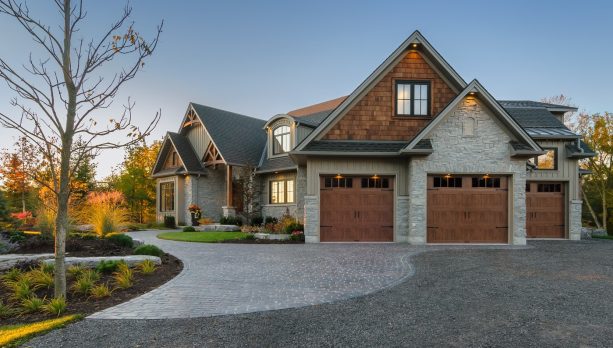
[[603, 237], [202, 237]]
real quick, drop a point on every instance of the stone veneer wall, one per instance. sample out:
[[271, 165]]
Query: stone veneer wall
[[487, 151], [574, 219], [277, 210], [401, 229], [311, 219], [208, 192]]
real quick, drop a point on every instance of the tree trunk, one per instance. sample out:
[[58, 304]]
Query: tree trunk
[[589, 206], [61, 229], [604, 207], [23, 200]]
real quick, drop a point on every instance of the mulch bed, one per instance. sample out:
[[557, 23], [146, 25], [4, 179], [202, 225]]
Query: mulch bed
[[81, 304], [262, 241], [78, 247]]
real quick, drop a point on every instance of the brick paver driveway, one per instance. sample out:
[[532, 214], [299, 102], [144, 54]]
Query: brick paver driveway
[[241, 278]]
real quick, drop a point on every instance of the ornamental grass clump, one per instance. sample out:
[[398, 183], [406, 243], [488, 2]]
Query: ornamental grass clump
[[106, 212], [32, 304], [124, 277], [22, 289], [41, 277], [11, 275], [147, 267], [100, 291], [75, 270], [6, 310], [55, 306]]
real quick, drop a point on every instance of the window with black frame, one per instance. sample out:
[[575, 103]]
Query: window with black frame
[[412, 98], [167, 196]]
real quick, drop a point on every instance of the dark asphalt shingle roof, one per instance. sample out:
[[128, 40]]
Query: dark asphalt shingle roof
[[356, 146], [534, 117], [531, 104], [186, 152], [314, 119], [423, 144], [276, 163], [584, 150], [517, 146], [239, 138]]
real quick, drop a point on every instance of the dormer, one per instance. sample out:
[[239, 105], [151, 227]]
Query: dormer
[[281, 132]]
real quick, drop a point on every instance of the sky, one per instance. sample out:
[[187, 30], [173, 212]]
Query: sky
[[261, 58]]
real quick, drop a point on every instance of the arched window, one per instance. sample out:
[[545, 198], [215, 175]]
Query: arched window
[[281, 140]]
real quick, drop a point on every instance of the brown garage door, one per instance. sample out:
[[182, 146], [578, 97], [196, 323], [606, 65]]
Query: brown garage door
[[545, 210], [467, 209], [357, 209]]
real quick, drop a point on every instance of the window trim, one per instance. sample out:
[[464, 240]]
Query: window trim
[[285, 191], [555, 159], [274, 140], [161, 197], [413, 83]]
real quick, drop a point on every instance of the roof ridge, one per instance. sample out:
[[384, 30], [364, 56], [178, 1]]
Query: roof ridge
[[230, 112]]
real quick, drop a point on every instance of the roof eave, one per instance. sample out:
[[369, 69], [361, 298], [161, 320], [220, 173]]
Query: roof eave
[[526, 153], [275, 170], [550, 137]]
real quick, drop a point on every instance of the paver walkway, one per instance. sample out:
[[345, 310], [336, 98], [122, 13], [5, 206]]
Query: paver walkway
[[240, 278]]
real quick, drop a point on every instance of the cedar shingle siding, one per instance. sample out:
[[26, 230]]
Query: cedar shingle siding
[[373, 118]]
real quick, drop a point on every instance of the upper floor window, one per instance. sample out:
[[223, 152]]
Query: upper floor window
[[412, 98], [281, 140], [548, 161]]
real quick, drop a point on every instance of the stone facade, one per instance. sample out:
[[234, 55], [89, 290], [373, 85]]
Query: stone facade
[[485, 151], [208, 192], [402, 219], [311, 219], [574, 219]]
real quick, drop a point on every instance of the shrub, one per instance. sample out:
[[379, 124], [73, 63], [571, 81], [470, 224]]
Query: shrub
[[105, 212], [189, 229], [40, 278], [250, 236], [75, 270], [257, 221], [231, 220], [32, 304], [124, 276], [107, 266], [148, 249], [147, 267], [100, 291], [55, 306], [297, 235], [6, 310], [121, 239], [169, 221], [271, 220], [12, 275], [17, 236], [293, 226], [82, 285], [22, 289]]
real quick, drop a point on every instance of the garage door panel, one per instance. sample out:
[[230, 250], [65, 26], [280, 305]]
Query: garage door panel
[[545, 211], [466, 214], [357, 213]]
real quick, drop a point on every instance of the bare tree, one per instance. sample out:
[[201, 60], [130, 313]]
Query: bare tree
[[61, 96], [569, 118]]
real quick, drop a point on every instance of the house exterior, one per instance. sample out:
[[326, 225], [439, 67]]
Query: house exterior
[[414, 154]]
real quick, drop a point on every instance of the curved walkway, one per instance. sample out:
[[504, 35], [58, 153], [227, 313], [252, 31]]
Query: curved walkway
[[240, 278]]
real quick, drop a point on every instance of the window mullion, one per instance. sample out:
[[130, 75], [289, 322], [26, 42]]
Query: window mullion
[[412, 103]]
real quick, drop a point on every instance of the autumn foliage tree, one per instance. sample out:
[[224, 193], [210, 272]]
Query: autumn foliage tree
[[64, 91], [133, 179], [16, 169]]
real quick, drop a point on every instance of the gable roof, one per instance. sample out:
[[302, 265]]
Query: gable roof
[[238, 138], [512, 125], [319, 107], [416, 40], [535, 104], [185, 151]]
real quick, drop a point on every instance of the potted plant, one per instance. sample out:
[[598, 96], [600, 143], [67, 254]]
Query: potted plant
[[194, 209]]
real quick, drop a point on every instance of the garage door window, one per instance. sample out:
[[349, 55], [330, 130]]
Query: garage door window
[[375, 182], [338, 181], [486, 182], [549, 188], [447, 181]]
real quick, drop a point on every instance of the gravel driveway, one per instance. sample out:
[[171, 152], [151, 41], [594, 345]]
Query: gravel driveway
[[555, 294]]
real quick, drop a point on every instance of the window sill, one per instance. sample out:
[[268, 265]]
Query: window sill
[[409, 117], [279, 204]]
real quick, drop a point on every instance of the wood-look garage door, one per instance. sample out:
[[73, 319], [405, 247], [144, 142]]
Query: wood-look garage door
[[356, 209], [545, 210], [467, 209]]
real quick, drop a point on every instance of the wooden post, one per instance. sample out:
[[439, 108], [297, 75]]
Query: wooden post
[[229, 186]]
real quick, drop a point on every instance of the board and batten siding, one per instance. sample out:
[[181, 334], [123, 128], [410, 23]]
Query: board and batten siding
[[357, 166], [199, 139], [567, 169]]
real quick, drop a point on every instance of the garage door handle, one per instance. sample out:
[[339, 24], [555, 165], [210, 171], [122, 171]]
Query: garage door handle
[[502, 226], [325, 225]]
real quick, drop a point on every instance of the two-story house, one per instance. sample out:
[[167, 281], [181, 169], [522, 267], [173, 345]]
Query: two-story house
[[414, 154]]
